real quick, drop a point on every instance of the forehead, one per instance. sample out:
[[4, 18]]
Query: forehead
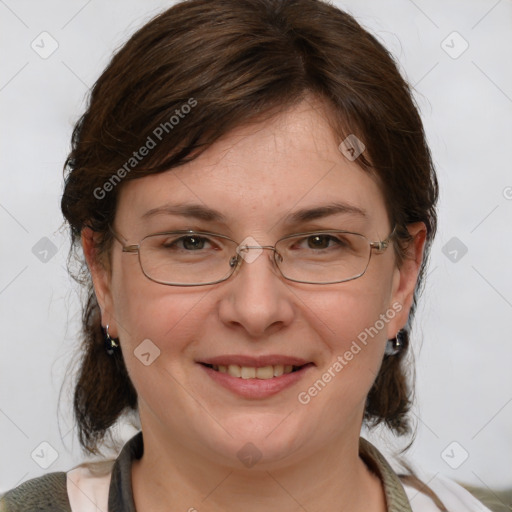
[[261, 172]]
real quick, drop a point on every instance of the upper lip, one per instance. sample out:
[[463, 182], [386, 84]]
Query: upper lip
[[254, 361]]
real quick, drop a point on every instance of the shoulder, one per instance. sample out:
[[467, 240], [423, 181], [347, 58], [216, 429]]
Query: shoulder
[[85, 487], [452, 495], [413, 494], [45, 493]]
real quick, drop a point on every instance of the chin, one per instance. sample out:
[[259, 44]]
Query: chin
[[256, 439]]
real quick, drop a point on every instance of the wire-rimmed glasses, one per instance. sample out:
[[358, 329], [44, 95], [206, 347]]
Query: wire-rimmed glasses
[[197, 258]]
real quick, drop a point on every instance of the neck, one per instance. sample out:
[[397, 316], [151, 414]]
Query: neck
[[334, 479]]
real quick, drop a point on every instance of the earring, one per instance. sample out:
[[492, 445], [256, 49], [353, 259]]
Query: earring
[[111, 344], [395, 345]]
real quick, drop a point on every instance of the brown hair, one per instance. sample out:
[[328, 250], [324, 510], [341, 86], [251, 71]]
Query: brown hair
[[233, 61]]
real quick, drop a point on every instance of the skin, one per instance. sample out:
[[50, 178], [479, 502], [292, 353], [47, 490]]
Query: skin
[[192, 427]]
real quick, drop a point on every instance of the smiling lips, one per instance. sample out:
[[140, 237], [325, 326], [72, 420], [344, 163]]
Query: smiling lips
[[251, 372], [255, 377], [250, 367]]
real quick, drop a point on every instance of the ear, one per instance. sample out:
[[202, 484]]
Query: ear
[[99, 268], [406, 276]]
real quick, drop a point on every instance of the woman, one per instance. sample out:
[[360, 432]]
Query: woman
[[255, 201]]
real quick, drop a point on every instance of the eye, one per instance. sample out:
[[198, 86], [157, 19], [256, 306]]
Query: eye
[[322, 241], [319, 241], [188, 243]]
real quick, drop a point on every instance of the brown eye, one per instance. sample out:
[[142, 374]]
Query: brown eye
[[319, 241], [193, 242], [188, 243]]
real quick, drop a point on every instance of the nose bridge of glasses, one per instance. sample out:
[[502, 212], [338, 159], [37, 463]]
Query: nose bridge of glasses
[[243, 247], [244, 253]]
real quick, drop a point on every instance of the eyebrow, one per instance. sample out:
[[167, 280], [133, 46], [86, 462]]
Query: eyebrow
[[198, 211], [336, 208], [195, 211]]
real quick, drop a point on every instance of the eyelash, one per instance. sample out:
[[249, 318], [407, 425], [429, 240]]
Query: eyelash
[[337, 241]]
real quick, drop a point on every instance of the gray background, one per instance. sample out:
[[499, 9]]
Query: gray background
[[463, 338]]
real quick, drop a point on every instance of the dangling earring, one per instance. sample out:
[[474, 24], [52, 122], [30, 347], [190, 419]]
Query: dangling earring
[[395, 345], [111, 344]]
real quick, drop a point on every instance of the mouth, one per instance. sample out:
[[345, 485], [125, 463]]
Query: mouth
[[252, 372], [255, 379]]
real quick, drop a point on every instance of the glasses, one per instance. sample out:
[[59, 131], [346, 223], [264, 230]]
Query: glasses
[[197, 258]]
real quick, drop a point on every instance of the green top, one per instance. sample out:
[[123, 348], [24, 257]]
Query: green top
[[48, 493]]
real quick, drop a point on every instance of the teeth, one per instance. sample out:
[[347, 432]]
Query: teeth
[[265, 372], [234, 370], [278, 370], [248, 372]]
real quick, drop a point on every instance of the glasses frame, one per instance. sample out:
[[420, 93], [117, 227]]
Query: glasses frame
[[236, 261]]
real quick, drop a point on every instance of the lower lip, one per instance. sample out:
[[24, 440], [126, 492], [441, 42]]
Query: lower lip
[[257, 388]]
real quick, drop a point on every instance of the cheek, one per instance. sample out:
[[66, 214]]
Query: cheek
[[160, 332], [354, 311], [148, 310], [352, 323]]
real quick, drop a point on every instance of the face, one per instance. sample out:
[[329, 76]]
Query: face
[[256, 178]]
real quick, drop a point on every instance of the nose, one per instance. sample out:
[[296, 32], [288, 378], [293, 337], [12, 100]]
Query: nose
[[256, 298]]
